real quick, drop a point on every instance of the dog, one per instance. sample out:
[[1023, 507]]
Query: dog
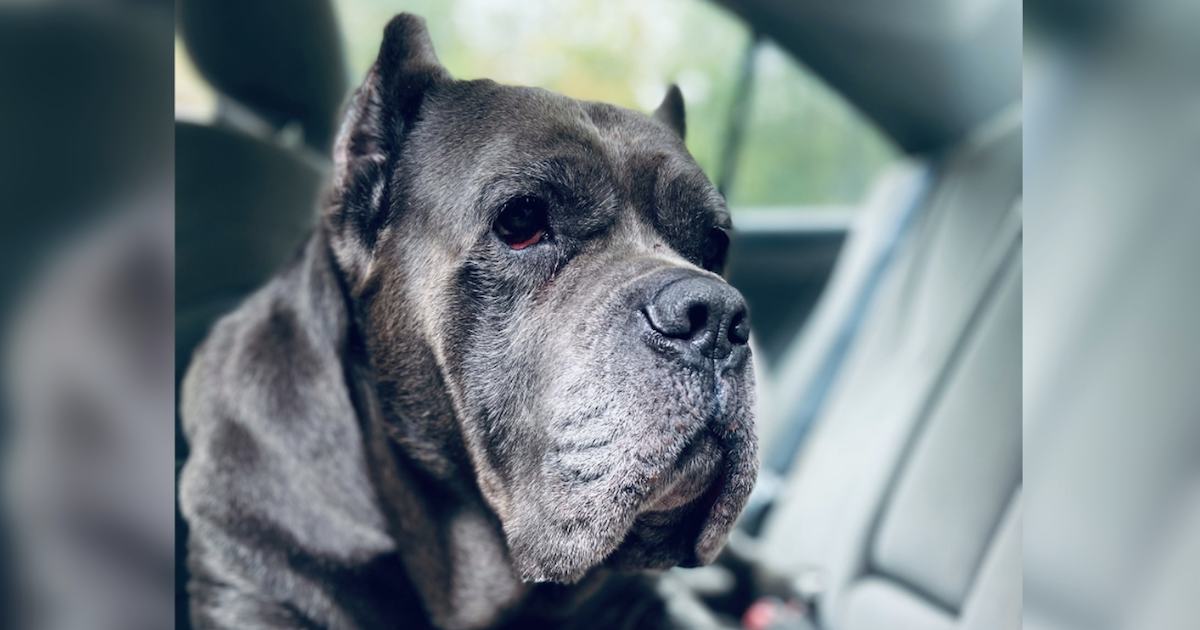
[[502, 382]]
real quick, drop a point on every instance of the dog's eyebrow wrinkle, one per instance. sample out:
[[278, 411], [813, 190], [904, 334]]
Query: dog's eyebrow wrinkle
[[651, 184], [586, 116]]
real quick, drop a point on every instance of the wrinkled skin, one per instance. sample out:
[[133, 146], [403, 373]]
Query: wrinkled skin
[[432, 420]]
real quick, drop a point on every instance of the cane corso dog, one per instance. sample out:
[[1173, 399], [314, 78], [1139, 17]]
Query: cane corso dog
[[502, 380]]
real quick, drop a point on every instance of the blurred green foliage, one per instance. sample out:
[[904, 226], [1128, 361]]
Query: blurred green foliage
[[803, 145]]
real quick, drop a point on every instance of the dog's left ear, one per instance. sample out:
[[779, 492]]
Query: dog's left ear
[[670, 111], [376, 121]]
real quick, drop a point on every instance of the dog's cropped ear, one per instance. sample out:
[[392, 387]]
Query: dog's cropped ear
[[670, 111], [376, 121]]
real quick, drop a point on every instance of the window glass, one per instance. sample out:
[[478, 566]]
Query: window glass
[[624, 52], [803, 145], [195, 100]]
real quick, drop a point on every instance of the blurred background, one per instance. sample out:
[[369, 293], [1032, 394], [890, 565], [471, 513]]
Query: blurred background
[[947, 442]]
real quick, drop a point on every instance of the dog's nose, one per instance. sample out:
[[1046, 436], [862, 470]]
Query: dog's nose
[[700, 317]]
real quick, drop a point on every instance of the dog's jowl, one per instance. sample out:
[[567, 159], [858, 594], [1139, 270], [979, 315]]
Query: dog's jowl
[[503, 379]]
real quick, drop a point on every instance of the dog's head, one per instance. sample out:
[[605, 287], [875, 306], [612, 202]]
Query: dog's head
[[554, 267]]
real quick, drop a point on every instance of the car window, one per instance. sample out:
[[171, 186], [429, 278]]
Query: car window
[[624, 52], [195, 100], [803, 146]]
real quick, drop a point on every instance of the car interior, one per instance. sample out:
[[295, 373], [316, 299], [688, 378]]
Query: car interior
[[888, 342]]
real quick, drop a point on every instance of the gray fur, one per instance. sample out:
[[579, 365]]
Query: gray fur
[[414, 425]]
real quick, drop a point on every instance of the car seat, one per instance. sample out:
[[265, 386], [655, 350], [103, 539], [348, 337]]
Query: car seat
[[903, 510]]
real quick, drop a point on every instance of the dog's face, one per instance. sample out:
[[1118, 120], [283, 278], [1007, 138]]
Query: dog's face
[[557, 263]]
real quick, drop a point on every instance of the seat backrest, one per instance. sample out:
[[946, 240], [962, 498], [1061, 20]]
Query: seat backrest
[[245, 199], [904, 504], [874, 226], [281, 59], [243, 207]]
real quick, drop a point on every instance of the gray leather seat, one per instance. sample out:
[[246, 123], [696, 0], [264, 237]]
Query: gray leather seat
[[874, 226], [903, 510]]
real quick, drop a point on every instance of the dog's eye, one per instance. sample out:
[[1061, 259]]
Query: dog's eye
[[523, 222], [716, 246]]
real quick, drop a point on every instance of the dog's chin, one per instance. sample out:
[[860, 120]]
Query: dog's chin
[[682, 521], [667, 534], [690, 478]]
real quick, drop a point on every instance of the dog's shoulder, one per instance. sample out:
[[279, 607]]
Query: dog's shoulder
[[276, 488]]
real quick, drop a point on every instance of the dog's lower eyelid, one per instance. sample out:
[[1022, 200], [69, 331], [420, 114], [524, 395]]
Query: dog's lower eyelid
[[533, 240]]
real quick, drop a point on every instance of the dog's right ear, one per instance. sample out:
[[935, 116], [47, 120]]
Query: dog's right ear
[[376, 121]]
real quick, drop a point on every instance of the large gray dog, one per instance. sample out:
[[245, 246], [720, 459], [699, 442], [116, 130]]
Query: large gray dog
[[501, 380]]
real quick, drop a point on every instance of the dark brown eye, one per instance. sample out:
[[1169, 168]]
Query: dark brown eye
[[523, 222], [716, 246]]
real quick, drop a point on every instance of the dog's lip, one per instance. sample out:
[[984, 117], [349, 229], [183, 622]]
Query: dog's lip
[[730, 492], [692, 474]]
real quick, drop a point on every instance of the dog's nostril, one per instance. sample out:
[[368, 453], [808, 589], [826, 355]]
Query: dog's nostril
[[697, 320], [739, 329]]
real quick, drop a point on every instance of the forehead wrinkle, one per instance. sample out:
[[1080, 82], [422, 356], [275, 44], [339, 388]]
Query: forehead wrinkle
[[647, 164], [636, 162], [618, 137], [586, 118]]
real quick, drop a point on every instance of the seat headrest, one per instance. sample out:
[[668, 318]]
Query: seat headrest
[[281, 58]]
